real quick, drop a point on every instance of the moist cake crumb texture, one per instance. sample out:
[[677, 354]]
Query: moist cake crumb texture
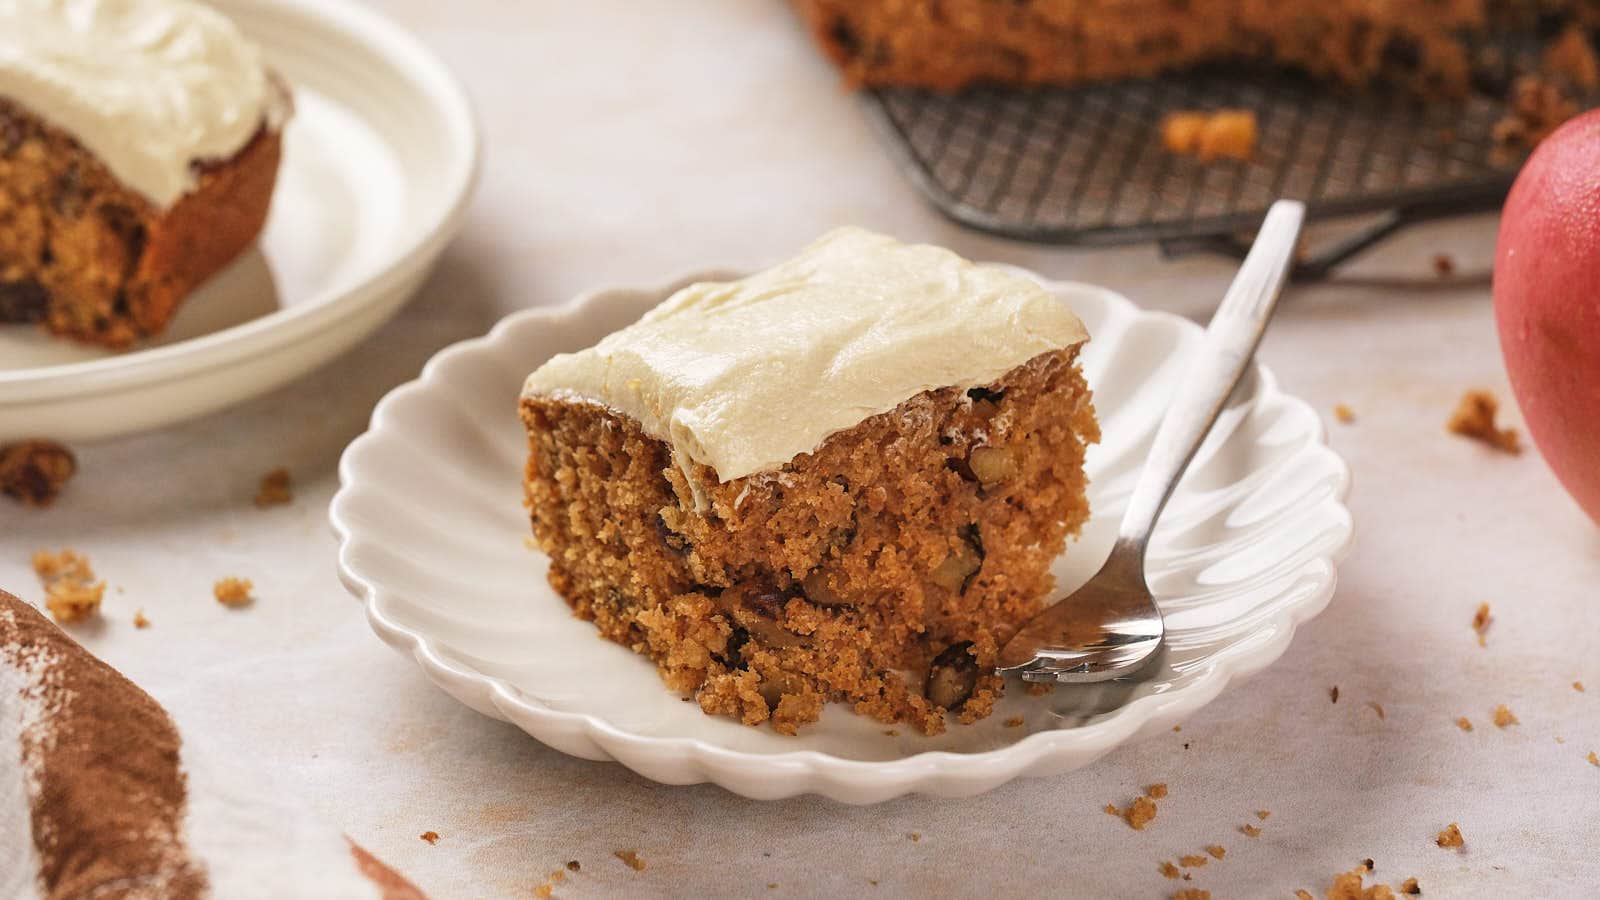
[[882, 568]]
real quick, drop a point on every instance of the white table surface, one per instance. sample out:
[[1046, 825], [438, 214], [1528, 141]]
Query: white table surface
[[628, 142]]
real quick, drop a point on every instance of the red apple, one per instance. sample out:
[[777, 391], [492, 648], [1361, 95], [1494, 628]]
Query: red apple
[[1547, 302]]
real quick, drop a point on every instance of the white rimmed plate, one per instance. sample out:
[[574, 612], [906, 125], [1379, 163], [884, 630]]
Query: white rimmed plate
[[378, 164], [431, 528]]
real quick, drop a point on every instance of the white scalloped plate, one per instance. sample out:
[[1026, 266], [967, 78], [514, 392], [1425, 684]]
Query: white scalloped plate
[[379, 162], [431, 529]]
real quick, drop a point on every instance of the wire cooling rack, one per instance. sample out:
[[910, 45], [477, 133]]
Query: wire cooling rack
[[1086, 165]]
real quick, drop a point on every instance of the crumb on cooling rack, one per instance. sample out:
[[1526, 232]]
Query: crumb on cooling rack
[[1503, 716], [1474, 418], [630, 858], [1250, 830], [71, 592], [1450, 838], [1537, 106], [1344, 413], [275, 489], [432, 837], [1208, 136], [1444, 265], [1480, 624], [34, 472], [1464, 723], [233, 592]]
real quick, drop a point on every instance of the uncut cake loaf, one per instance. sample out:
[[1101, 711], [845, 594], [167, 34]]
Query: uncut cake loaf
[[139, 146], [841, 479], [1425, 47]]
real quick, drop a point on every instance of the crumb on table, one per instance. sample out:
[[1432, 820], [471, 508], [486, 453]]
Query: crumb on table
[[1464, 723], [1444, 265], [275, 489], [1156, 791], [139, 620], [1480, 624], [1262, 814], [1192, 894], [1193, 860], [1169, 870], [1344, 413], [33, 472], [233, 592], [1450, 838], [1410, 886], [432, 837], [1474, 418], [71, 592], [1594, 758], [1217, 850], [574, 866], [630, 858], [1250, 830], [1140, 813], [1014, 722], [1111, 810], [1503, 716], [1577, 686]]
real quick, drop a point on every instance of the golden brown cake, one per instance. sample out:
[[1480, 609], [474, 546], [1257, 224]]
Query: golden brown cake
[[1424, 46], [124, 187], [841, 479]]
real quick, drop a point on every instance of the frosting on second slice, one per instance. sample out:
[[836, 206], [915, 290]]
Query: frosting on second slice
[[148, 86], [743, 376]]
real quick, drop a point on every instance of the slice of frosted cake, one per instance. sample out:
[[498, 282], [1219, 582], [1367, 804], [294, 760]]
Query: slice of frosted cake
[[841, 479]]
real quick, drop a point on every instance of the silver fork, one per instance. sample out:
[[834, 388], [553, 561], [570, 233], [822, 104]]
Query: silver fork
[[1111, 625]]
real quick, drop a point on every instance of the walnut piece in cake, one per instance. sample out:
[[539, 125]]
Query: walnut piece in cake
[[71, 592], [34, 472], [1474, 418], [234, 592], [755, 487]]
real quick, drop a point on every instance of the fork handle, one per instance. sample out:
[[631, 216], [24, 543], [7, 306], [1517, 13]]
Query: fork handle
[[1219, 365]]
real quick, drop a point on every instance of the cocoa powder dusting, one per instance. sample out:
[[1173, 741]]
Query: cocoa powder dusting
[[108, 799]]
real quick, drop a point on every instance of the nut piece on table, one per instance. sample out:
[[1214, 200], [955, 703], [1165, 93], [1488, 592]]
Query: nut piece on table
[[1208, 136], [34, 471], [952, 676]]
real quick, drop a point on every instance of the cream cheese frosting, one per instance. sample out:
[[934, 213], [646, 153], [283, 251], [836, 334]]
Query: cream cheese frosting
[[743, 376], [148, 86]]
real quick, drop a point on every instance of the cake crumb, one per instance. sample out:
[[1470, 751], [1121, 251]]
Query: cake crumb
[[1193, 861], [1503, 716], [1577, 686], [1410, 886], [574, 866], [558, 876], [233, 592], [1594, 759], [1177, 728], [1480, 624], [1262, 814], [1169, 870], [1378, 708], [1450, 838], [543, 891], [1344, 413], [630, 858], [1464, 723], [1333, 693], [1139, 813], [1303, 894], [1208, 136], [1474, 418], [432, 837], [772, 885], [139, 621], [1192, 894], [915, 836], [1444, 265], [34, 472], [275, 489], [1250, 830], [1111, 810], [1014, 722], [1217, 850], [1536, 107], [71, 592], [1156, 791], [1560, 739]]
